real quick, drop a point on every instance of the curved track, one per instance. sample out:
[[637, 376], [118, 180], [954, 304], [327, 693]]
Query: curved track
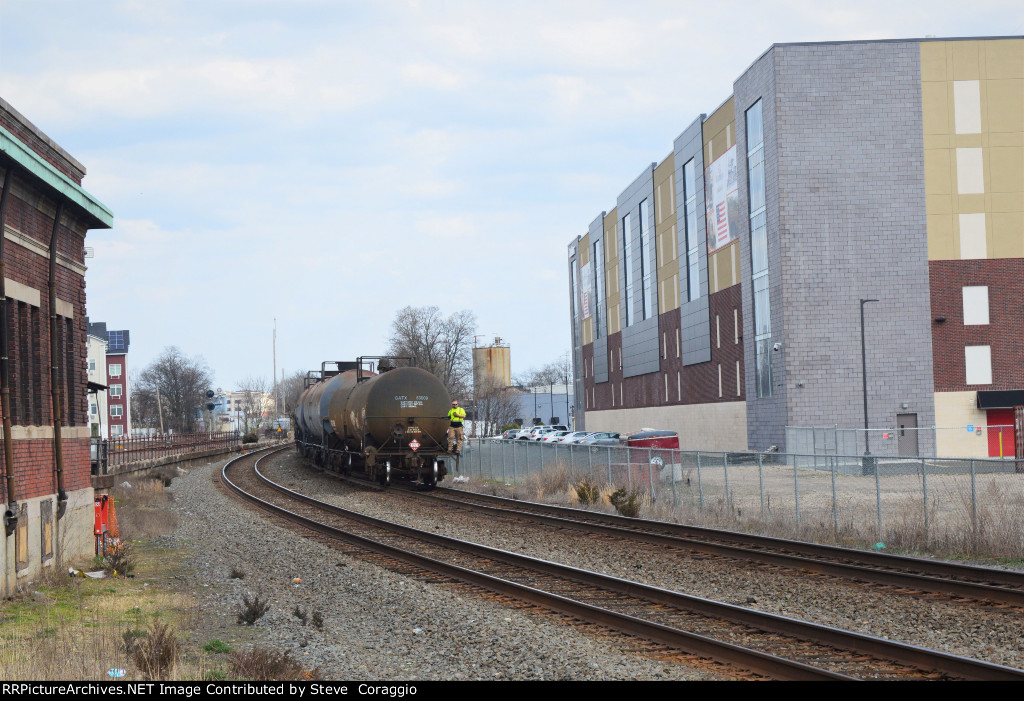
[[949, 579], [769, 645]]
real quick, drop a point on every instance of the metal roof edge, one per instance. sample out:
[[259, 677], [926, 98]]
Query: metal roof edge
[[34, 164]]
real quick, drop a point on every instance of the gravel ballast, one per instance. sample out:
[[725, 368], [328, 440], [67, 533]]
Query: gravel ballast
[[985, 632], [378, 625]]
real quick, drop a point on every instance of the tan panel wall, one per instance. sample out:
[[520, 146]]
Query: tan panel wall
[[719, 426], [582, 258], [667, 235], [954, 411], [998, 67], [612, 277], [720, 136]]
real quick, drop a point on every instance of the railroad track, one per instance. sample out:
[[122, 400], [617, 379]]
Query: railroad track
[[766, 644], [949, 579]]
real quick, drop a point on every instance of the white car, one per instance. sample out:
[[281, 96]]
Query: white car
[[575, 436], [554, 436]]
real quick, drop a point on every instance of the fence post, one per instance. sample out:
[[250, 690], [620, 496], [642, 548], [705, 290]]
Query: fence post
[[672, 467], [700, 485], [650, 471], [924, 485], [503, 462], [728, 493], [609, 454], [796, 490], [760, 479], [514, 465], [974, 508], [878, 501], [835, 511]]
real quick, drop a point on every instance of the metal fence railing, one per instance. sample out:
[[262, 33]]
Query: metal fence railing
[[950, 504], [823, 441], [122, 451]]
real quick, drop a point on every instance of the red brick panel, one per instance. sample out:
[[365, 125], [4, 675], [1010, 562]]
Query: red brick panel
[[34, 474], [1004, 278]]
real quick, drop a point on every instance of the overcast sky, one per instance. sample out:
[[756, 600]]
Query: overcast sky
[[328, 162]]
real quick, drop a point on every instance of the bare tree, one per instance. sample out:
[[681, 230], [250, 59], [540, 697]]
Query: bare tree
[[182, 383], [293, 387], [440, 345], [255, 404], [556, 372], [496, 408]]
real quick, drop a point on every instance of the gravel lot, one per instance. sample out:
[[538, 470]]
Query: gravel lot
[[964, 628], [378, 625]]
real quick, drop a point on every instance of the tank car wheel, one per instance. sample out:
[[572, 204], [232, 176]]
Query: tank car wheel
[[385, 475]]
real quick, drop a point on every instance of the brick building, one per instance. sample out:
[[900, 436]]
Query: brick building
[[44, 217], [118, 415], [721, 296]]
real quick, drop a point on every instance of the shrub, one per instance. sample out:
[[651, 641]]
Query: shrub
[[318, 620], [262, 664], [250, 438], [153, 652], [300, 614], [237, 573], [627, 503], [217, 646], [120, 558], [252, 609], [586, 491]]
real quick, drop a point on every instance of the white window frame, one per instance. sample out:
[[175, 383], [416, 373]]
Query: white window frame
[[116, 390], [976, 306], [116, 430], [978, 365], [115, 370], [116, 411]]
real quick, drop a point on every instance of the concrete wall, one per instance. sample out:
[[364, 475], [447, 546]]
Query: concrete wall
[[720, 426]]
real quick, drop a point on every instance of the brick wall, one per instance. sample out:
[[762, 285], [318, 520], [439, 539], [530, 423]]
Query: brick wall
[[1004, 278]]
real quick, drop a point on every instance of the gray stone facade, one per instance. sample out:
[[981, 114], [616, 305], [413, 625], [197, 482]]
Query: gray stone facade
[[695, 324], [640, 345], [846, 221]]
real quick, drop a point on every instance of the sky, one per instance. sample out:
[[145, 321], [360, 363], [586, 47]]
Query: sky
[[326, 163]]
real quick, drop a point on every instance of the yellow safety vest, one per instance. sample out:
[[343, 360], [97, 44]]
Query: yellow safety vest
[[456, 415]]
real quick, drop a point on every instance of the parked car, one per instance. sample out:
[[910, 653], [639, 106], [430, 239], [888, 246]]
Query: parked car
[[554, 436], [538, 432], [575, 436], [601, 438], [511, 433]]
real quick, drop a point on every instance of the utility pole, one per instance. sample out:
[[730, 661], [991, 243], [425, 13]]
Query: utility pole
[[159, 410], [869, 466], [276, 410]]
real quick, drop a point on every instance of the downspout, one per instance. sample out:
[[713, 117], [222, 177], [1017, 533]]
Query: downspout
[[56, 390], [11, 512]]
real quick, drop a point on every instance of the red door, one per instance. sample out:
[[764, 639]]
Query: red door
[[1000, 423]]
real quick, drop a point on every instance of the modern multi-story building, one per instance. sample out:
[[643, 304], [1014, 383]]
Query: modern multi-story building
[[119, 408], [45, 215], [722, 295], [97, 372]]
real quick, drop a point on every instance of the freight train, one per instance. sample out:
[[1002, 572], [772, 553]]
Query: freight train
[[376, 417]]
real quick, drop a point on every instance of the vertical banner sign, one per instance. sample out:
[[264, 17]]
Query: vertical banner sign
[[586, 288], [721, 195]]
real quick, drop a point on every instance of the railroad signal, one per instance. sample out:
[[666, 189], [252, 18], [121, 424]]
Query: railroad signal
[[210, 405]]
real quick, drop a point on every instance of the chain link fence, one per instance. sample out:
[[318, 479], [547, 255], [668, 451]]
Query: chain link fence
[[815, 444], [955, 505]]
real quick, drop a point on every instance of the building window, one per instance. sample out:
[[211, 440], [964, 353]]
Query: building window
[[690, 222], [978, 361], [759, 252], [115, 390], [92, 365], [599, 314], [93, 410], [115, 370], [975, 306], [117, 411], [116, 430], [647, 262], [627, 267]]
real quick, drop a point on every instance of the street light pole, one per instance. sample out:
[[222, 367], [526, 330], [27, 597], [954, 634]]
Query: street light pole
[[869, 463]]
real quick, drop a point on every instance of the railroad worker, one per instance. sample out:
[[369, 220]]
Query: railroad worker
[[456, 415]]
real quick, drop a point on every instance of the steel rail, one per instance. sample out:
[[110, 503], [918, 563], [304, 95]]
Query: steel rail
[[918, 657], [632, 529], [996, 579], [753, 660]]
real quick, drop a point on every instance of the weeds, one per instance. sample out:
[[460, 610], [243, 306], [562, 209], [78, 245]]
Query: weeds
[[252, 609], [237, 573], [301, 614], [262, 664], [318, 620], [153, 652]]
